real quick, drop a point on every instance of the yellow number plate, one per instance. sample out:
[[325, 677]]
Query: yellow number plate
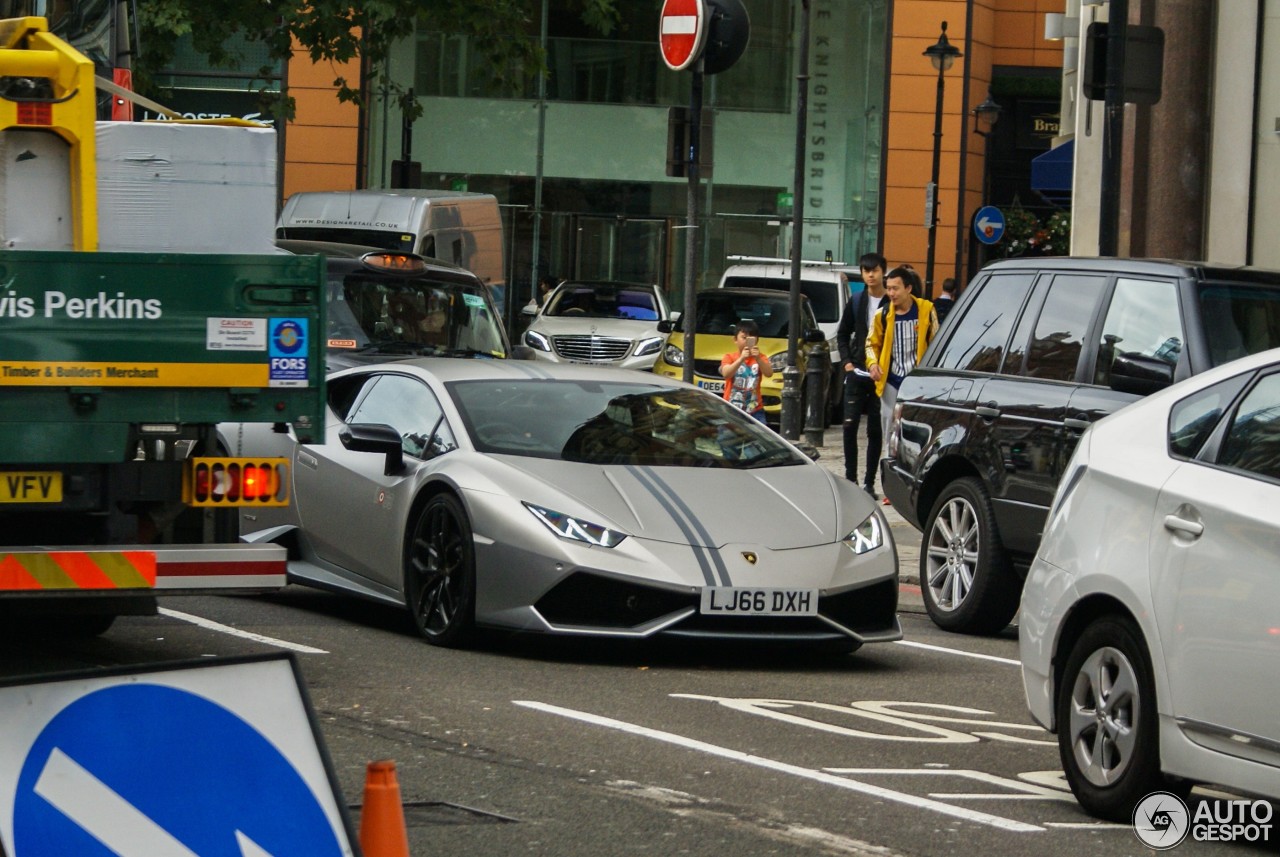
[[37, 486]]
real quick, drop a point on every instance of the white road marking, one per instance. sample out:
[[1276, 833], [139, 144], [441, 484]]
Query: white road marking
[[782, 767], [1016, 789], [944, 650], [109, 818], [210, 625], [1087, 825], [679, 25]]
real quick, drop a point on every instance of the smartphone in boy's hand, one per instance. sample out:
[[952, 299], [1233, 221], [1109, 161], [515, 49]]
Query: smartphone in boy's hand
[[751, 342]]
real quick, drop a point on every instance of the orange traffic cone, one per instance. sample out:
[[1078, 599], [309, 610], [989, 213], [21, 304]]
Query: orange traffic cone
[[382, 827]]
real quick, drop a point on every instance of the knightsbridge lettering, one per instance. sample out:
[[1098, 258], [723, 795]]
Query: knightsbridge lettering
[[103, 306]]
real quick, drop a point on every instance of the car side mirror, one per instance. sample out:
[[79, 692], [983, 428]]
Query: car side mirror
[[378, 438], [666, 326], [528, 310], [815, 336], [1140, 374]]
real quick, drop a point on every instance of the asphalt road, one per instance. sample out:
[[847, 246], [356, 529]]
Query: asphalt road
[[530, 746]]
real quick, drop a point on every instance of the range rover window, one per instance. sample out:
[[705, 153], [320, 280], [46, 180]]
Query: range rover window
[[1239, 320], [1143, 323], [1061, 328], [979, 340]]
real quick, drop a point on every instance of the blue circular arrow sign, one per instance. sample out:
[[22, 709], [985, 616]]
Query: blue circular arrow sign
[[143, 769], [988, 224]]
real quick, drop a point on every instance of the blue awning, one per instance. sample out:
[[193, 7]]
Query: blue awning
[[1051, 173]]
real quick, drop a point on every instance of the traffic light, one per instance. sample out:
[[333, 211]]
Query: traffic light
[[1143, 64]]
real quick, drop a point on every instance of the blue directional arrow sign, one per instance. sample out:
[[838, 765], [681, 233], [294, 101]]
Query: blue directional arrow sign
[[988, 224], [149, 768]]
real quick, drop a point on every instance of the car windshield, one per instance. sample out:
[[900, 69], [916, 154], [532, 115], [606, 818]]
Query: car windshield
[[593, 301], [410, 316], [615, 423], [1239, 320], [826, 297], [718, 312]]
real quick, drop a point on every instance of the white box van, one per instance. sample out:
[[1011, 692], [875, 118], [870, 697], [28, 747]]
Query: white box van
[[455, 226]]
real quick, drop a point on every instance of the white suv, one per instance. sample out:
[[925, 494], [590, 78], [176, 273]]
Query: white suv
[[827, 285]]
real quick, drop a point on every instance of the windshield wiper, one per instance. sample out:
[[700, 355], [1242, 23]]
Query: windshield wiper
[[470, 352], [772, 458]]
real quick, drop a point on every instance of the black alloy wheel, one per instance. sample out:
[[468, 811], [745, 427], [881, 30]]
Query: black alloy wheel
[[965, 576], [440, 573]]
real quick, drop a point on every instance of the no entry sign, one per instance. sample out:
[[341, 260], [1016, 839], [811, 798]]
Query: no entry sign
[[682, 29]]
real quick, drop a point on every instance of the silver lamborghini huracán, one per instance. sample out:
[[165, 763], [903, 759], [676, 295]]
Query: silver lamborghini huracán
[[574, 500]]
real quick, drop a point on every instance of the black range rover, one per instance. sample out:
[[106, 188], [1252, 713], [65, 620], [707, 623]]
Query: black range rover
[[1033, 353]]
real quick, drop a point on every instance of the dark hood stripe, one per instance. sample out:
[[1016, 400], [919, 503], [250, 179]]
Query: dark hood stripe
[[709, 559]]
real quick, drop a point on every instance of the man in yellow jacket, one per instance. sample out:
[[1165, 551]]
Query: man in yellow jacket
[[899, 335]]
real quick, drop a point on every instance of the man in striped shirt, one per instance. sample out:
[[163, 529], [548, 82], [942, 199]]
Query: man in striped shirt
[[899, 335]]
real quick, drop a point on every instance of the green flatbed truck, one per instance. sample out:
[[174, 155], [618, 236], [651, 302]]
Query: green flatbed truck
[[115, 370]]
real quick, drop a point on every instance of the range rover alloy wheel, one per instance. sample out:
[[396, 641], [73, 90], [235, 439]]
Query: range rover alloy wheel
[[965, 576]]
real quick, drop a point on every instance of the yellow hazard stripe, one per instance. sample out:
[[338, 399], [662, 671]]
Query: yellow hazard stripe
[[35, 373], [77, 570]]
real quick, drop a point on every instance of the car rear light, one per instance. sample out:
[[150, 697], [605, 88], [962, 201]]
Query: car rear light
[[236, 482]]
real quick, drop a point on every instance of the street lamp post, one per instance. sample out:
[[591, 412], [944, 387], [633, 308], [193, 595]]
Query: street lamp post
[[989, 112], [942, 54]]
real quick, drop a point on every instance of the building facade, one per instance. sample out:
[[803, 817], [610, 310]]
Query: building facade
[[581, 161]]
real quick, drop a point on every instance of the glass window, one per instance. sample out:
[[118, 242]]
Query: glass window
[[1061, 328], [827, 297], [597, 301], [615, 423], [1253, 441], [1143, 321], [979, 340], [409, 407], [1193, 420], [1239, 320]]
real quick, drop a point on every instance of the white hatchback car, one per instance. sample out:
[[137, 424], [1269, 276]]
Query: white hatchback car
[[604, 323], [1150, 621]]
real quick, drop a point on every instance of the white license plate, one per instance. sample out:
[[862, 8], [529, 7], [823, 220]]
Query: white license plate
[[712, 386], [739, 601]]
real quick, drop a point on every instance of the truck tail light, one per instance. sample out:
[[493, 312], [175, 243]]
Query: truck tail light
[[236, 482]]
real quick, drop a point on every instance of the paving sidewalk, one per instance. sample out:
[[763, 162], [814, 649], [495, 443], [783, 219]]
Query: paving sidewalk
[[905, 537]]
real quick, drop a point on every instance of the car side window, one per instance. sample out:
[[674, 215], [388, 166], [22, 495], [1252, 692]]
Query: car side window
[[1252, 443], [1192, 421], [407, 405], [979, 340], [1060, 330], [1142, 321]]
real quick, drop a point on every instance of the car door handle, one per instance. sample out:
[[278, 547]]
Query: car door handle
[[1076, 423], [307, 461], [988, 411], [1182, 526]]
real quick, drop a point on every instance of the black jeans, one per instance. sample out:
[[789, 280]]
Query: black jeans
[[860, 400]]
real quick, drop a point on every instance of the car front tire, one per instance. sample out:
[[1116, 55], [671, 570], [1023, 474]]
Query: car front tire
[[1106, 716], [440, 573], [965, 576]]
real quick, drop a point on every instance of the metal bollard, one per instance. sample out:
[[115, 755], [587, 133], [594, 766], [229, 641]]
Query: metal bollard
[[816, 373]]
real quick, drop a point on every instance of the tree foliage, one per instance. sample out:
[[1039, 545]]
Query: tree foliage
[[341, 31]]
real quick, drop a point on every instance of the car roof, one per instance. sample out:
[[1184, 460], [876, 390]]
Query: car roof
[[342, 255], [1166, 267], [448, 369], [755, 294]]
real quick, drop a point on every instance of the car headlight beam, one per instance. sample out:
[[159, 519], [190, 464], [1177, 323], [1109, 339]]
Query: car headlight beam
[[576, 529], [867, 536]]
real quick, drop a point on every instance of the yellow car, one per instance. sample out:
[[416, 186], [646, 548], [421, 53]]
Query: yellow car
[[718, 311]]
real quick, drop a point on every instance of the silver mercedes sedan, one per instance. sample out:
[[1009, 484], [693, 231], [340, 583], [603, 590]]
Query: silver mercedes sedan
[[573, 500]]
